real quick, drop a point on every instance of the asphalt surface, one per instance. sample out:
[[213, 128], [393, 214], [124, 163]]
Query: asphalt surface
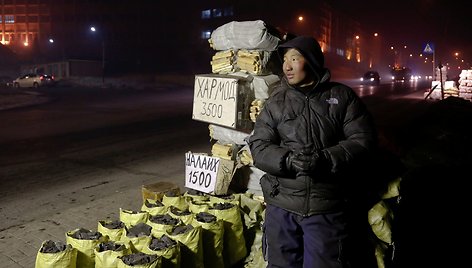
[[11, 98]]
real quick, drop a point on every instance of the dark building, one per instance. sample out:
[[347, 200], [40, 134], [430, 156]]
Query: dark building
[[170, 36], [347, 50]]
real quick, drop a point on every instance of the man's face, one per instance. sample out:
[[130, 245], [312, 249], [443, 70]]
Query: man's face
[[294, 68]]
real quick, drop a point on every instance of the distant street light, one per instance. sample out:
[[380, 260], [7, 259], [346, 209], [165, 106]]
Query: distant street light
[[93, 29]]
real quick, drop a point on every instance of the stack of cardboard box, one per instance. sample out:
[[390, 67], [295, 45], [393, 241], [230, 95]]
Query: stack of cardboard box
[[244, 73]]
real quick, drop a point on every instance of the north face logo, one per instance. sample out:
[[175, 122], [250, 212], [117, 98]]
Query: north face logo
[[332, 101]]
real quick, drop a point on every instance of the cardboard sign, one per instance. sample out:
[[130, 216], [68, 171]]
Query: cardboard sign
[[208, 174], [215, 100], [200, 172]]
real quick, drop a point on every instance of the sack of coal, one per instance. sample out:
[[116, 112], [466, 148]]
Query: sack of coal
[[56, 254]]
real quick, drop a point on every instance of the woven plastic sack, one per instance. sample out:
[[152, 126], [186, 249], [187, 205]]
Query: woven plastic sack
[[140, 260], [253, 211], [138, 237], [213, 239], [230, 198], [113, 229], [56, 255], [198, 206], [243, 35], [107, 253], [185, 216], [178, 201], [191, 245], [162, 223], [131, 218], [85, 241], [168, 249], [153, 207], [380, 218], [195, 195], [234, 249]]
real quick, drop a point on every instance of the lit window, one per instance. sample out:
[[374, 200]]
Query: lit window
[[9, 19], [217, 13], [206, 34], [206, 14]]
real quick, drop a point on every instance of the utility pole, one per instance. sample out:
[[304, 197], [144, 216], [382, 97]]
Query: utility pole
[[103, 60]]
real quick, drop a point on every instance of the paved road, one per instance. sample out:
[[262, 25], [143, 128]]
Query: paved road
[[67, 164], [62, 180]]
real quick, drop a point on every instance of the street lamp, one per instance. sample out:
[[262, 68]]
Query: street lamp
[[93, 29]]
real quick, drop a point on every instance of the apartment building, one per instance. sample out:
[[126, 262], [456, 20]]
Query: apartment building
[[24, 24]]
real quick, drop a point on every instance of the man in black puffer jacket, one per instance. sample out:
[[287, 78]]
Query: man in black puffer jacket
[[307, 139]]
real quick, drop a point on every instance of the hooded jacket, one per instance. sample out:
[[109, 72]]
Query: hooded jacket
[[328, 118]]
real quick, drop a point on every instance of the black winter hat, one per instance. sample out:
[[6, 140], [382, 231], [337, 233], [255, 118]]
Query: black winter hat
[[309, 48]]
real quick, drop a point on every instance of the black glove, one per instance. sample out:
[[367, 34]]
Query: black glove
[[308, 163], [288, 162]]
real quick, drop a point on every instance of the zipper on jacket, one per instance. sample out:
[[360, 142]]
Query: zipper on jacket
[[307, 182]]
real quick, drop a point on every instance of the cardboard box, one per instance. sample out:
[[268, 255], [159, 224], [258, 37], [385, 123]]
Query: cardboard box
[[157, 190], [223, 100], [208, 174]]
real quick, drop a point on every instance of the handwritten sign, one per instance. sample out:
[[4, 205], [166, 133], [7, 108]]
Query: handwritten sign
[[201, 172], [215, 100]]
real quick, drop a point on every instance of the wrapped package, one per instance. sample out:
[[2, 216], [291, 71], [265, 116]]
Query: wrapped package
[[244, 35]]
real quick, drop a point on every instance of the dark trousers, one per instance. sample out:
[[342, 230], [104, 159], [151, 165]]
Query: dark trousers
[[316, 241]]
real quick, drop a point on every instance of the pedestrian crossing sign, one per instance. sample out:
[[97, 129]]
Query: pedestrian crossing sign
[[428, 49]]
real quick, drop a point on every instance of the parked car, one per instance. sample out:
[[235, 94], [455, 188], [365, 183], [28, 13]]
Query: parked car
[[370, 78], [34, 80], [5, 81]]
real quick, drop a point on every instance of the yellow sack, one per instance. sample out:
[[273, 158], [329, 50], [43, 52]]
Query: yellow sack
[[138, 237], [131, 218], [185, 216], [196, 206], [253, 211], [255, 259], [154, 207], [213, 238], [162, 223], [167, 248], [113, 229], [172, 199], [192, 246], [107, 253], [85, 241], [56, 255], [380, 218], [234, 248], [140, 260], [195, 195], [231, 198]]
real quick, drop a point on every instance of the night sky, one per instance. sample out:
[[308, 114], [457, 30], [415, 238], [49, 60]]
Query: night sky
[[447, 24]]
